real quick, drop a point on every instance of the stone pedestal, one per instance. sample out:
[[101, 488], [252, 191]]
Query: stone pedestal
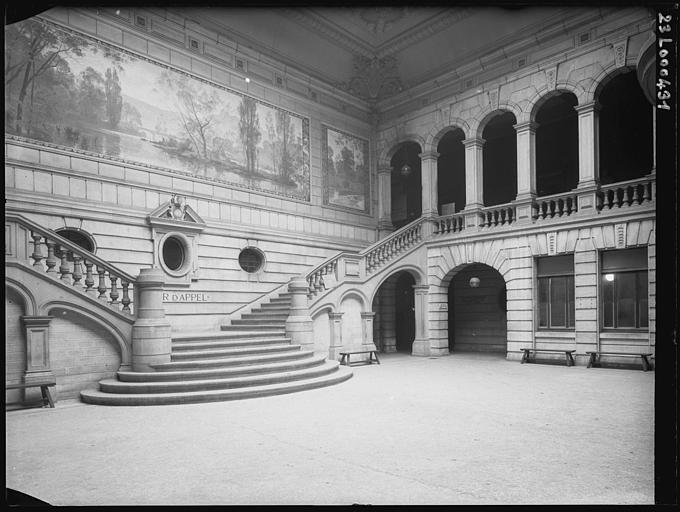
[[367, 330], [37, 354], [151, 337], [299, 325], [336, 335], [421, 344]]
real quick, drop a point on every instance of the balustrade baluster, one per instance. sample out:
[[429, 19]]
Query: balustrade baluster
[[77, 270], [648, 191], [636, 194], [619, 197], [102, 283], [89, 280], [629, 195], [64, 268], [126, 296], [37, 253], [114, 291], [51, 260], [611, 198], [502, 215]]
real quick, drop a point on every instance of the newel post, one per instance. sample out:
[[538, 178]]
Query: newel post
[[299, 325], [151, 339]]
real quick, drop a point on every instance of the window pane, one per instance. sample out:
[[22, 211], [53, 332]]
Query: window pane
[[555, 265], [607, 302], [543, 302], [570, 300], [625, 259], [558, 301], [625, 299], [642, 299]]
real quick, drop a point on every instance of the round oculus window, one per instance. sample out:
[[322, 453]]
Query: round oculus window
[[173, 253], [251, 259]]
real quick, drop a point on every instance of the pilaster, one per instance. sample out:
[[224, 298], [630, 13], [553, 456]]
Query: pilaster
[[421, 343], [367, 330], [588, 145], [335, 347], [385, 226], [429, 183], [474, 173]]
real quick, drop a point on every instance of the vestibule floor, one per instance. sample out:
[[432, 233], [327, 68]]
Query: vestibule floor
[[464, 429]]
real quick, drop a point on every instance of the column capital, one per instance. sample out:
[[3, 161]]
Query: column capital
[[474, 142], [367, 314], [385, 169], [421, 288], [36, 321], [586, 108], [529, 126], [335, 316], [428, 155]]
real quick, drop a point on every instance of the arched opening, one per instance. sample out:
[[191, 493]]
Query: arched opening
[[394, 326], [477, 310], [451, 172], [406, 184], [625, 130], [15, 341], [557, 145], [500, 160]]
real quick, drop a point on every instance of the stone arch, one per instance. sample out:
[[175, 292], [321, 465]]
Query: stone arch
[[490, 253], [543, 95], [489, 112], [390, 148], [327, 307], [30, 304], [441, 129], [122, 344], [605, 76], [353, 293], [416, 272]]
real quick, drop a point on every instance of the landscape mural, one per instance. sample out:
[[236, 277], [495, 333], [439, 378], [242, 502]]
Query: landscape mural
[[345, 170], [72, 91]]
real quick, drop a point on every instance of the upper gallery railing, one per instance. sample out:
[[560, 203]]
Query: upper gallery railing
[[556, 205], [626, 193], [63, 260]]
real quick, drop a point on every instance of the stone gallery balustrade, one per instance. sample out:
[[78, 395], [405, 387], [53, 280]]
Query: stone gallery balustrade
[[627, 193], [557, 205]]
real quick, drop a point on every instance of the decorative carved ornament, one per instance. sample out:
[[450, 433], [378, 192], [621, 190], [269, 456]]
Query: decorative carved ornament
[[620, 49], [620, 235], [552, 243], [176, 214], [374, 78], [551, 78]]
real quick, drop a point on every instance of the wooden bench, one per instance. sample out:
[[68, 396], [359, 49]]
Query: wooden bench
[[44, 389], [526, 357], [594, 358], [371, 354]]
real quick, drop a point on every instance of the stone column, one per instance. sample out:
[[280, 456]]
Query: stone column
[[429, 183], [151, 338], [336, 335], [526, 169], [384, 201], [367, 330], [474, 181], [588, 156], [421, 345], [299, 325]]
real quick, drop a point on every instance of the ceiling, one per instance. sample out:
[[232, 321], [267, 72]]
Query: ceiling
[[374, 52]]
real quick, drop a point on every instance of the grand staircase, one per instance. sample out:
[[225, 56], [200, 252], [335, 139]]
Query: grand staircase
[[250, 357]]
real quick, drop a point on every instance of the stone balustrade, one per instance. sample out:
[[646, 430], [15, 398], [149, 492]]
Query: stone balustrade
[[447, 224], [315, 278], [389, 247], [627, 193], [71, 264], [557, 205], [499, 215]]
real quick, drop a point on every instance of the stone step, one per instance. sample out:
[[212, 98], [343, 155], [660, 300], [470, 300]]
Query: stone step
[[225, 343], [220, 335], [273, 307], [116, 386], [265, 317], [259, 321], [255, 327], [185, 355], [215, 373], [98, 397], [232, 361], [279, 300]]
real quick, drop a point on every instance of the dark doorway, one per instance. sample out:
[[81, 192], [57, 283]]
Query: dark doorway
[[500, 160], [451, 173], [406, 184], [405, 317]]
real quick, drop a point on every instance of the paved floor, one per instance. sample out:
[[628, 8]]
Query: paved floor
[[465, 429]]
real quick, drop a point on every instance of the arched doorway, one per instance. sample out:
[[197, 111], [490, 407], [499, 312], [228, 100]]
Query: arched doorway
[[477, 310], [406, 184], [394, 327], [451, 172], [500, 160]]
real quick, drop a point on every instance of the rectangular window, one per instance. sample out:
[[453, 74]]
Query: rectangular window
[[624, 289], [556, 292]]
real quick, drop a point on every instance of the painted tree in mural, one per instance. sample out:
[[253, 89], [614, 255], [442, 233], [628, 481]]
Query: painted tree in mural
[[33, 51], [196, 106], [114, 100], [249, 128], [92, 98], [285, 131]]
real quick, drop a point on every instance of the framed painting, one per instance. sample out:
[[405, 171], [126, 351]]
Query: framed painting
[[70, 90], [346, 176]]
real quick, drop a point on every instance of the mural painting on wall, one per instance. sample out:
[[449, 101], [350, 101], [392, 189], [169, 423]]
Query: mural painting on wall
[[72, 91], [345, 170]]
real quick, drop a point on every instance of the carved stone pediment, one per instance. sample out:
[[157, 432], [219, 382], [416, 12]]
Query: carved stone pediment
[[176, 214]]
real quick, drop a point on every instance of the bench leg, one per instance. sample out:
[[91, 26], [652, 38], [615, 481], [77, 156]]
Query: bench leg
[[592, 360], [376, 357], [47, 397], [645, 363], [525, 356], [570, 359]]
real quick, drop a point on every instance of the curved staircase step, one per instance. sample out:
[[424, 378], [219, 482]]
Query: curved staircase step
[[179, 386], [222, 343], [214, 373], [254, 327], [259, 322], [341, 374], [231, 361], [223, 335], [265, 317], [184, 355]]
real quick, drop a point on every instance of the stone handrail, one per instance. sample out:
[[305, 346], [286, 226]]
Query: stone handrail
[[498, 215], [396, 243], [446, 224], [556, 205], [65, 260], [626, 193]]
